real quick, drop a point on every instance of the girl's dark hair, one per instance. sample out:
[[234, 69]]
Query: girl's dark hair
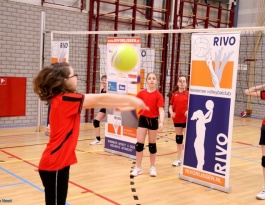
[[172, 91], [176, 87], [103, 76], [51, 81]]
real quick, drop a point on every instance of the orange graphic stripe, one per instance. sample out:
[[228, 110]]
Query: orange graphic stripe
[[129, 132], [220, 181], [201, 76], [111, 129]]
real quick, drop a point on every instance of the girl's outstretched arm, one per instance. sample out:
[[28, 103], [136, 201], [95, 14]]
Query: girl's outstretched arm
[[255, 91], [112, 101], [124, 109]]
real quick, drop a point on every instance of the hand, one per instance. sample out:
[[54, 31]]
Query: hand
[[172, 115], [160, 126], [186, 113], [141, 105]]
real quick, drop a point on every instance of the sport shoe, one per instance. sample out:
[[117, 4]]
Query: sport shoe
[[261, 195], [177, 162], [152, 171], [96, 142], [47, 131], [136, 171]]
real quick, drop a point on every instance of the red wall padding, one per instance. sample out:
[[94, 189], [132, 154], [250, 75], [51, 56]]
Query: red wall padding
[[12, 96]]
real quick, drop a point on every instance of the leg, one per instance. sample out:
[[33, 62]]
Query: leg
[[179, 131], [261, 195], [152, 140], [263, 167], [100, 116], [63, 178], [55, 185], [96, 122], [141, 134], [152, 134]]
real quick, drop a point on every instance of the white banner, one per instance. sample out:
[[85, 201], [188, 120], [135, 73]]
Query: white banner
[[121, 127], [146, 58], [214, 62], [60, 51]]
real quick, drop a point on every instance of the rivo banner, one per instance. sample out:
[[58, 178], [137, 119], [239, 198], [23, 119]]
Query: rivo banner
[[207, 153], [59, 51], [121, 127]]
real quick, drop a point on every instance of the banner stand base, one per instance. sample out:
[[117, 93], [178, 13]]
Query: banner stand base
[[203, 183], [112, 152]]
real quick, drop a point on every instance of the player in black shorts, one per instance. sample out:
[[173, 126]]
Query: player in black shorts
[[150, 122], [101, 114]]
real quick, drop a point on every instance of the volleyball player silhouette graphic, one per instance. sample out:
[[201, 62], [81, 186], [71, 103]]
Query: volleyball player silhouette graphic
[[201, 131]]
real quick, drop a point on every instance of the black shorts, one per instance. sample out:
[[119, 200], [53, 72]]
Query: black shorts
[[262, 137], [103, 110], [147, 122], [183, 125]]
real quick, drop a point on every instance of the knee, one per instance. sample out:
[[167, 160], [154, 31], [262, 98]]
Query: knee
[[179, 139], [263, 161], [96, 123], [152, 148], [139, 147]]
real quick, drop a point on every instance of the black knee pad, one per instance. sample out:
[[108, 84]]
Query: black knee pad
[[96, 123], [139, 147], [179, 139], [263, 161], [152, 148]]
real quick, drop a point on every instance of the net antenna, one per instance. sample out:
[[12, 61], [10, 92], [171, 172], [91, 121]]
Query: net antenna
[[260, 21]]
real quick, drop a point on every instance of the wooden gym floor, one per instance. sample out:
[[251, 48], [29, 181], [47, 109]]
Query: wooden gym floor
[[102, 178]]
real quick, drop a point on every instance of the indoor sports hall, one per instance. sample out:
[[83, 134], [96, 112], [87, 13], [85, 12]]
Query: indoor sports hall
[[217, 45]]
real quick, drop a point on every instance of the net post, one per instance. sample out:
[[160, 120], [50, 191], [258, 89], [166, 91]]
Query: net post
[[42, 33]]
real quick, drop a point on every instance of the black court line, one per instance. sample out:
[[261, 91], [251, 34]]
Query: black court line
[[133, 189]]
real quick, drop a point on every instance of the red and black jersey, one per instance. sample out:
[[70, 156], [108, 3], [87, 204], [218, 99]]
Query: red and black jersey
[[153, 100], [179, 102], [262, 96], [64, 120]]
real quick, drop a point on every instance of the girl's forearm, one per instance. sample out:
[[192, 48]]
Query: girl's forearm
[[112, 101]]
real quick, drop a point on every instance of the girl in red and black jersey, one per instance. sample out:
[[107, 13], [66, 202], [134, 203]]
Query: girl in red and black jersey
[[150, 121], [259, 91], [56, 84], [178, 111], [101, 114]]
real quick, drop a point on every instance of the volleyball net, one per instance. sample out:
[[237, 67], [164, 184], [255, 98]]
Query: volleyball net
[[165, 52]]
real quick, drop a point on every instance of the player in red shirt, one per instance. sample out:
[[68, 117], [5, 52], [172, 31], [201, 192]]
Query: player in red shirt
[[101, 114], [150, 121], [259, 91], [56, 84], [178, 110]]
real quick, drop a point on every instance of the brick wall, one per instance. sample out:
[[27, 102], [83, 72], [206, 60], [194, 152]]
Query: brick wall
[[20, 46]]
